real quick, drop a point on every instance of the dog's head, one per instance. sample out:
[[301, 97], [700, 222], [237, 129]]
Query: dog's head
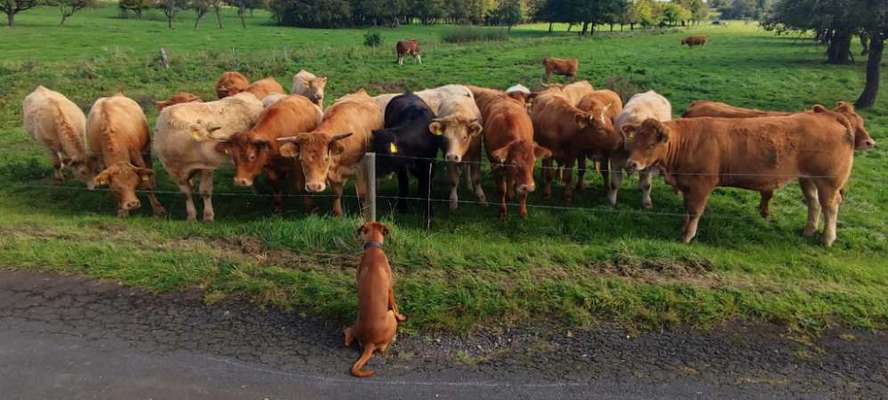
[[373, 232]]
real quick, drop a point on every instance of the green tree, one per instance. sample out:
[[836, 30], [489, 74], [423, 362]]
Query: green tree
[[67, 8], [673, 14], [136, 6], [647, 12], [13, 7]]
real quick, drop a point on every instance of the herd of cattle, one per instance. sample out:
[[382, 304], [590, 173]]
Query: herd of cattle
[[295, 142]]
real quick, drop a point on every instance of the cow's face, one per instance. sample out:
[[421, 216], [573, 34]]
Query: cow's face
[[314, 90], [122, 180], [596, 120], [647, 143], [517, 159], [248, 154], [385, 142], [317, 153], [862, 138], [458, 134], [178, 98], [85, 171], [230, 84]]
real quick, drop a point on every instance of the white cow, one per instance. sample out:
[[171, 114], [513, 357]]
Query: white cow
[[640, 107], [60, 126], [307, 84], [187, 137]]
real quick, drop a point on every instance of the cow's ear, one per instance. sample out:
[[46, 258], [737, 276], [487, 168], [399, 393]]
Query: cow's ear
[[321, 82], [819, 108], [844, 107], [289, 150], [336, 148], [103, 178], [159, 105], [662, 134], [475, 129], [583, 120], [628, 131], [145, 174], [222, 147], [541, 152], [436, 128], [500, 154]]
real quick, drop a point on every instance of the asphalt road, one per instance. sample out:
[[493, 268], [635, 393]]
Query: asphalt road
[[74, 338]]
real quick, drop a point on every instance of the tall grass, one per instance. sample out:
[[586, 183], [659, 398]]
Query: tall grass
[[474, 34]]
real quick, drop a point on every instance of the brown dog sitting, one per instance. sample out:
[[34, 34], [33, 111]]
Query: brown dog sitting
[[378, 314]]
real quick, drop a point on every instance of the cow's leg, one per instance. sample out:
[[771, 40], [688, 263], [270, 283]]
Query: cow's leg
[[475, 175], [581, 172], [400, 59], [277, 190], [298, 178], [184, 184], [548, 173], [616, 179], [828, 195], [144, 161], [765, 201], [645, 182], [58, 176], [403, 189], [337, 199], [809, 190], [695, 202], [502, 186], [604, 170], [453, 170], [361, 187], [419, 58], [206, 193], [567, 176]]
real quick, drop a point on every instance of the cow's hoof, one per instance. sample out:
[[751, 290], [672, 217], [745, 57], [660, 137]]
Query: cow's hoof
[[647, 206], [160, 212], [209, 218], [808, 232]]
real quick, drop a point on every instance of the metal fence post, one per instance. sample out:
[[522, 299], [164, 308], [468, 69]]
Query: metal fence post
[[371, 184]]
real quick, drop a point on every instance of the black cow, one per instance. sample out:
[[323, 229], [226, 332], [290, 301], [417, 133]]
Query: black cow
[[407, 144]]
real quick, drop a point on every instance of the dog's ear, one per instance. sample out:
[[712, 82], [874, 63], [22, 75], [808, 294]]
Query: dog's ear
[[359, 231], [385, 230]]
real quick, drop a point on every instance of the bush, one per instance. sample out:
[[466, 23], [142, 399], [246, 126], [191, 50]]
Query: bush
[[372, 39], [625, 87], [474, 34]]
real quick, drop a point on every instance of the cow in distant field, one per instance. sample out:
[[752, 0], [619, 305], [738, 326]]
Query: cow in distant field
[[265, 87], [408, 48], [231, 83], [511, 150], [561, 66], [692, 41], [406, 145], [178, 98], [459, 122], [60, 126], [697, 109], [332, 152], [117, 135], [762, 154], [307, 84], [640, 107], [257, 149], [186, 142]]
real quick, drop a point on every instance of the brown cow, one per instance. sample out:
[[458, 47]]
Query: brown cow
[[258, 149], [508, 138], [117, 132], [333, 151], [561, 66], [606, 104], [231, 83], [568, 132], [309, 85], [692, 41], [265, 87], [178, 98], [761, 154], [378, 314], [408, 48]]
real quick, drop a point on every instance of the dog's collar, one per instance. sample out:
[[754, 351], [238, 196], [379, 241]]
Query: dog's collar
[[372, 245]]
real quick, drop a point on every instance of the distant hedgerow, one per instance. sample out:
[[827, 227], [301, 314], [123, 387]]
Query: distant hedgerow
[[474, 34]]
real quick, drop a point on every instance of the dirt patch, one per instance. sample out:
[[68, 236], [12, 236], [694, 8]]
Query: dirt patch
[[388, 87]]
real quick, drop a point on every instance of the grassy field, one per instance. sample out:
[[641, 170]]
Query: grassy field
[[578, 267]]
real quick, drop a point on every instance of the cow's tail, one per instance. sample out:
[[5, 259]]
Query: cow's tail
[[357, 368]]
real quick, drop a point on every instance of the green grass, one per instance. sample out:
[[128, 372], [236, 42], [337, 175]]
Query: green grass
[[577, 267]]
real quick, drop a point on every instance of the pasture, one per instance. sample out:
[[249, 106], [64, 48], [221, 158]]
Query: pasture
[[579, 266]]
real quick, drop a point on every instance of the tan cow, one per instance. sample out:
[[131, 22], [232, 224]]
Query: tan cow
[[459, 121], [332, 152], [561, 66], [265, 87], [639, 108], [117, 135], [258, 149], [307, 84], [508, 138], [761, 154], [408, 48], [231, 83], [178, 98], [60, 126], [703, 108], [185, 141], [606, 105]]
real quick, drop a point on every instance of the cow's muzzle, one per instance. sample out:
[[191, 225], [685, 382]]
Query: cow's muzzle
[[450, 157], [526, 188], [315, 187], [132, 205], [632, 166], [243, 182]]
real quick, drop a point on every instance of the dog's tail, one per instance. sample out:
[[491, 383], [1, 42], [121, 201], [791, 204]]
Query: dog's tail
[[357, 368]]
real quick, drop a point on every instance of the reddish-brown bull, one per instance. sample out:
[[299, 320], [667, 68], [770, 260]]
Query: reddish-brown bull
[[692, 41], [762, 154], [231, 83], [508, 138], [561, 66], [408, 48], [258, 149]]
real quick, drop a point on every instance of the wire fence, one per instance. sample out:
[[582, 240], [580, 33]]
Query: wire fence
[[372, 197]]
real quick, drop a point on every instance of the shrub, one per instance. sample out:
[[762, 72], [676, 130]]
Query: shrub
[[474, 34], [372, 39], [625, 87]]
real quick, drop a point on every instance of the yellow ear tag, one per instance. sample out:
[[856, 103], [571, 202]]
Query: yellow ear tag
[[439, 132], [393, 149], [144, 178]]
